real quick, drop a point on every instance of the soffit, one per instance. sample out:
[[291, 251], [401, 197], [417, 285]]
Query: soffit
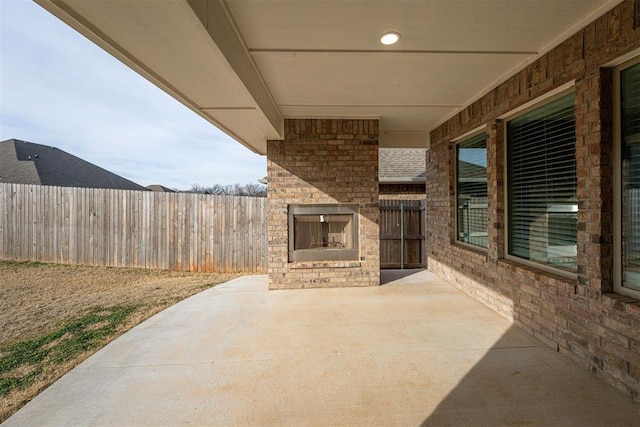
[[323, 58], [246, 64], [440, 25]]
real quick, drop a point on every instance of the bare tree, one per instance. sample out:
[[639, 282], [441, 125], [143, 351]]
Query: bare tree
[[255, 190], [251, 190]]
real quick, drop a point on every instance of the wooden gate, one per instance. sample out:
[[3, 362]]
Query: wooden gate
[[402, 226]]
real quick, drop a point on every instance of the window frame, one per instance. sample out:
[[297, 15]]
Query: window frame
[[456, 142], [617, 179], [539, 102]]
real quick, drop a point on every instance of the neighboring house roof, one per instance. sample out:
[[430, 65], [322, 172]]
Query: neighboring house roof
[[160, 188], [469, 172], [402, 165], [398, 166], [23, 162]]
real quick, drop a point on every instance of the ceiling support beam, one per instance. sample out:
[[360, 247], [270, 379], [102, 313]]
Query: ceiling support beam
[[217, 21], [401, 139]]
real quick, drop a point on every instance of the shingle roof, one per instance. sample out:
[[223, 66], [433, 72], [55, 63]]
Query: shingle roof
[[402, 164], [24, 162], [160, 188], [471, 172]]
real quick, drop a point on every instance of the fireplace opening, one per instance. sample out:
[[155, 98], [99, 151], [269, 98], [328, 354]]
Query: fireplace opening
[[323, 232]]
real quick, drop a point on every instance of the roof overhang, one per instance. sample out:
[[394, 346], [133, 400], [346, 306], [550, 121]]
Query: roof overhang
[[246, 65], [188, 49]]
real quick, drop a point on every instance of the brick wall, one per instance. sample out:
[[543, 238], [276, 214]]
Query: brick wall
[[402, 191], [324, 161], [581, 318]]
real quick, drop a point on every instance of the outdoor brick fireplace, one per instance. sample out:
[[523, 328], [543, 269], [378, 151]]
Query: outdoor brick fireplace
[[323, 233], [323, 204]]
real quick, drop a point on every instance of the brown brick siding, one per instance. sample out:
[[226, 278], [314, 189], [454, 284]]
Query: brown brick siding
[[324, 161], [582, 318]]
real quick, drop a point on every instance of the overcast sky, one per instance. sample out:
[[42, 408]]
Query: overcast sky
[[58, 88]]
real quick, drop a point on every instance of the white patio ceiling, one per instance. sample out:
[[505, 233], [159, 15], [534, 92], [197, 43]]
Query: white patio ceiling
[[244, 65]]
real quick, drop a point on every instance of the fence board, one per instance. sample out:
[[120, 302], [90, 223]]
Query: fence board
[[122, 228], [411, 216]]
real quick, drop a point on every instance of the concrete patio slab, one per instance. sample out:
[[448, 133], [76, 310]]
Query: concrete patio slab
[[414, 351]]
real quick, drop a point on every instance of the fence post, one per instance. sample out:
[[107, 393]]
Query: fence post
[[402, 236]]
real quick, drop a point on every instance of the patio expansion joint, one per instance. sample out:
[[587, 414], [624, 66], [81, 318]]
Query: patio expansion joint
[[513, 347], [329, 355]]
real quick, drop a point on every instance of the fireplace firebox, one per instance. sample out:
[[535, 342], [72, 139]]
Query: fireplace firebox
[[323, 232]]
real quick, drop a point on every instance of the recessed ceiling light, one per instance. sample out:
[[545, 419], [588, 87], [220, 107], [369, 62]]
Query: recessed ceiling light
[[389, 38]]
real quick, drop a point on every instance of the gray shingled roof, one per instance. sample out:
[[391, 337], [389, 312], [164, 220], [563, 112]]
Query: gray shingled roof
[[470, 172], [160, 188], [400, 165], [24, 162]]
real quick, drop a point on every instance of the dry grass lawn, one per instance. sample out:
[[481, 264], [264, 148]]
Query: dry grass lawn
[[55, 316]]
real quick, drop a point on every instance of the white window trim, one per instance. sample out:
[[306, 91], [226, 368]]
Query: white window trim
[[617, 182], [550, 96], [472, 133], [468, 135]]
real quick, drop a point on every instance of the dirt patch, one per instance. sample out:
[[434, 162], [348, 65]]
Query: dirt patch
[[21, 371]]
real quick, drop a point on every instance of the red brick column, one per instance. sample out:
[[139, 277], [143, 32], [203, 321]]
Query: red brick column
[[495, 182], [594, 147]]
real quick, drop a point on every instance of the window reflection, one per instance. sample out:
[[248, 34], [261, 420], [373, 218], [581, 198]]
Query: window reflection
[[472, 191]]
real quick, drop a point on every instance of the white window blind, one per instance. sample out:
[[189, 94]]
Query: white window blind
[[630, 133], [542, 203], [471, 194]]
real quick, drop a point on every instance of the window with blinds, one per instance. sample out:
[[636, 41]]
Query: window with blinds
[[471, 191], [542, 203], [630, 151]]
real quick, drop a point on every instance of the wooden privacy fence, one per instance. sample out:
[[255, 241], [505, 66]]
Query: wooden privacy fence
[[179, 231], [402, 234], [123, 228]]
